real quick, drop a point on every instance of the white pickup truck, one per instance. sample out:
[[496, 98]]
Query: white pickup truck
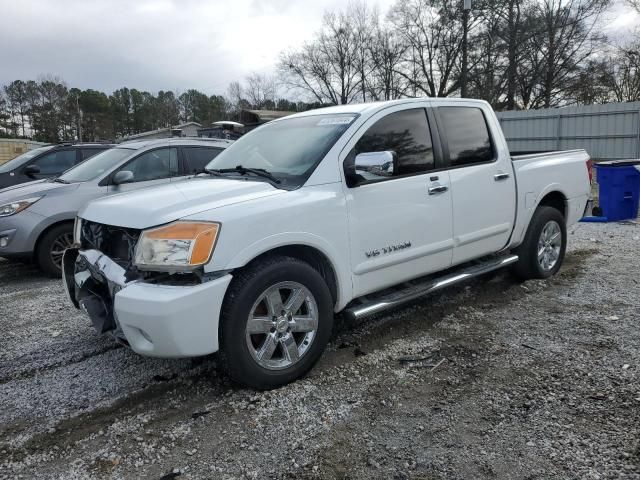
[[352, 209]]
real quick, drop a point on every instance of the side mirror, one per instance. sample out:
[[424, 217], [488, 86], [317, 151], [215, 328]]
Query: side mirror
[[31, 170], [123, 176], [374, 166]]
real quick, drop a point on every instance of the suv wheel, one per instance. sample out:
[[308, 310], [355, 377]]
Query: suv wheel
[[276, 321], [51, 247]]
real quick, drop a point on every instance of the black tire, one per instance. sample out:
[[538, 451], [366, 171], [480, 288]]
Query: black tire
[[245, 290], [528, 265], [49, 241]]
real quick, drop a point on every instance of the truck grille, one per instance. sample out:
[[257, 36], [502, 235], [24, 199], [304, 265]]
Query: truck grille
[[118, 243]]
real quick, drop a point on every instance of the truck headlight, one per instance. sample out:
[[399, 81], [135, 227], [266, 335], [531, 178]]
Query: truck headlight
[[14, 207], [178, 246]]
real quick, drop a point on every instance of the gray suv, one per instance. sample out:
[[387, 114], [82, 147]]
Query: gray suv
[[36, 218]]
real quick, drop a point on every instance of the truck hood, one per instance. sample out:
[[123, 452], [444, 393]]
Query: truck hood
[[153, 206], [37, 188]]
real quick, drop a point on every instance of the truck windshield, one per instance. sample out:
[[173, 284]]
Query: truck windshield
[[96, 165], [288, 149], [22, 159]]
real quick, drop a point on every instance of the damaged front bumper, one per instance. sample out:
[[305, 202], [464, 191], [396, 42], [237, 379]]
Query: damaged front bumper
[[155, 319]]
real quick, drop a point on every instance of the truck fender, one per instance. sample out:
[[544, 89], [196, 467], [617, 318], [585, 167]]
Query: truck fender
[[344, 286], [531, 202]]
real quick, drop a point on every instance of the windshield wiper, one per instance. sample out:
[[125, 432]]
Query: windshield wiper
[[59, 180], [261, 172]]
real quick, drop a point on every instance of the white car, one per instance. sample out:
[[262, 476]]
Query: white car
[[353, 209]]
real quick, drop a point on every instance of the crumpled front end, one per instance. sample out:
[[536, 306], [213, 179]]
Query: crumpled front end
[[161, 318], [92, 281]]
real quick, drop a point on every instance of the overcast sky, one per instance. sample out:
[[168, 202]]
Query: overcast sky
[[164, 44]]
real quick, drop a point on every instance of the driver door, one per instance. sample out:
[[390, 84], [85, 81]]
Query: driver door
[[153, 167], [400, 224]]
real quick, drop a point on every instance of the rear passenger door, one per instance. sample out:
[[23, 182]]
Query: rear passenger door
[[198, 157], [153, 167], [400, 224], [482, 184]]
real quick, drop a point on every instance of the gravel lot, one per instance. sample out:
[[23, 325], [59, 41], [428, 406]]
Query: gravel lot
[[491, 380]]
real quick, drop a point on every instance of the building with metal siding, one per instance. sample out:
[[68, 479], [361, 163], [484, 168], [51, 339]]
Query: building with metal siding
[[607, 132]]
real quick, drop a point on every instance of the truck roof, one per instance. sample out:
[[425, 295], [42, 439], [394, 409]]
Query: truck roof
[[372, 107]]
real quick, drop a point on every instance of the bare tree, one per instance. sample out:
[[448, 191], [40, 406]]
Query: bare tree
[[622, 74], [326, 68], [635, 4], [563, 38], [260, 89], [432, 30], [387, 51]]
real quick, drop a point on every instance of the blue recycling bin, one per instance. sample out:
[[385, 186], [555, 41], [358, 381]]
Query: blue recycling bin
[[619, 185]]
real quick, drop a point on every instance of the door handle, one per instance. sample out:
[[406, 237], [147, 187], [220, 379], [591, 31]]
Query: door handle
[[438, 189], [500, 176]]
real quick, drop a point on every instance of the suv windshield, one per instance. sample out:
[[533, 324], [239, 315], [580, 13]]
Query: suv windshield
[[96, 165], [288, 149], [21, 159]]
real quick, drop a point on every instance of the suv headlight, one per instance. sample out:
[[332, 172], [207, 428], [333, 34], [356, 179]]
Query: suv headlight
[[14, 207], [177, 246]]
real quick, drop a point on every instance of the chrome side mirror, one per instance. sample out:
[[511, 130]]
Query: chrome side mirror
[[375, 165], [123, 176]]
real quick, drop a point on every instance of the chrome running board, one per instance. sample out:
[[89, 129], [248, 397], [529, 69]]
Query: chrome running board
[[365, 307]]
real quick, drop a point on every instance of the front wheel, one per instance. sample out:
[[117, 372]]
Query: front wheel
[[51, 247], [542, 251], [276, 321]]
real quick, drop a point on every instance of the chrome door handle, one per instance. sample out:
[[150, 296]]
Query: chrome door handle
[[500, 176], [438, 189]]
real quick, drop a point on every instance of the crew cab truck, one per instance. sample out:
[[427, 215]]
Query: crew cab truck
[[352, 209]]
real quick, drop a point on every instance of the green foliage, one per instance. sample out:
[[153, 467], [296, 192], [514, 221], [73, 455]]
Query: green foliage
[[47, 110]]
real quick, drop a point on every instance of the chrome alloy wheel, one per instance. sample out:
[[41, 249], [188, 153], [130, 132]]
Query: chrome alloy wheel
[[58, 247], [549, 245], [282, 325]]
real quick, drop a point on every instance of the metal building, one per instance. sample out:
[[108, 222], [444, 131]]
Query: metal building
[[606, 132]]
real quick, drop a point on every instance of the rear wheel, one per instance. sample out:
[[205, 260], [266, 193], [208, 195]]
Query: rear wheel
[[51, 247], [276, 321], [542, 251]]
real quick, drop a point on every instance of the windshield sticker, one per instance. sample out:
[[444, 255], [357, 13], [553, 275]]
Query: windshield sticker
[[335, 121]]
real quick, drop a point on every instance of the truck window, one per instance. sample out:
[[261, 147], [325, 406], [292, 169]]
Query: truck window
[[199, 157], [407, 134], [467, 135]]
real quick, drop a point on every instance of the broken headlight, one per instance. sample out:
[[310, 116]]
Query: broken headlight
[[17, 206], [179, 246]]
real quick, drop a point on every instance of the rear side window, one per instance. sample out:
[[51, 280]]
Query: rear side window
[[55, 162], [407, 134], [467, 135], [90, 152], [199, 157]]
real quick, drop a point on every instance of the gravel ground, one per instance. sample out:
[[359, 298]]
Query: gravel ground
[[494, 379]]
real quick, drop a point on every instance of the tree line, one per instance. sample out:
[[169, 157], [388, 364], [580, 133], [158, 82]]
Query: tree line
[[48, 110], [522, 54]]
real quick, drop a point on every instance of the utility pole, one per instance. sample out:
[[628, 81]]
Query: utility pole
[[466, 7], [79, 120]]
